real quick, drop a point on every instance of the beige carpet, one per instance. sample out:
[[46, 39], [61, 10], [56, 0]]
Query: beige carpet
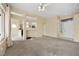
[[43, 46]]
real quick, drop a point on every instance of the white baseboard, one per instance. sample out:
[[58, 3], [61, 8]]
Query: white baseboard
[[50, 35]]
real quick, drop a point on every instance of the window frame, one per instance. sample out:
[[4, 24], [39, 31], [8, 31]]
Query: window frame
[[3, 25]]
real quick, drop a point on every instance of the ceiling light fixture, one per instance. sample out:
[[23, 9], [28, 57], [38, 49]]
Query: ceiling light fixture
[[42, 6]]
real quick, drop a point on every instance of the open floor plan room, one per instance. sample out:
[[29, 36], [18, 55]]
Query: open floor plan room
[[39, 29]]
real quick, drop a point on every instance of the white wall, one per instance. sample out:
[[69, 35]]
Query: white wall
[[76, 27], [51, 27]]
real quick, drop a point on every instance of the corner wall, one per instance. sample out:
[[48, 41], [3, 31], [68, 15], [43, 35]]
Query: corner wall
[[76, 27], [52, 26]]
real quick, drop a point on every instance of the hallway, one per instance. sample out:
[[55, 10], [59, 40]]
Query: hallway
[[43, 46]]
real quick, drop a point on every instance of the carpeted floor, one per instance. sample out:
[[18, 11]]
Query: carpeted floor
[[43, 46]]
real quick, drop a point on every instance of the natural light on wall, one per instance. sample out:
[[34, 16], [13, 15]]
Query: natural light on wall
[[14, 26], [27, 24]]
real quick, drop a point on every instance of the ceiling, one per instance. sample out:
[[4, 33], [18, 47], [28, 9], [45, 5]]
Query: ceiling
[[53, 9]]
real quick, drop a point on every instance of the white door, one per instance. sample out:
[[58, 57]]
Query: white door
[[67, 29]]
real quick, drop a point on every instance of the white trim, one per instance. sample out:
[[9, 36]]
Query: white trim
[[17, 14], [2, 7], [51, 35]]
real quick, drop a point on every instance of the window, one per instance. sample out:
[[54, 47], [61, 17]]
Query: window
[[14, 26], [67, 28], [27, 24], [2, 30], [31, 25], [31, 22]]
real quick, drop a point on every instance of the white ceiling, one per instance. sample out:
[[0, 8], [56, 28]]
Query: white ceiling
[[53, 9]]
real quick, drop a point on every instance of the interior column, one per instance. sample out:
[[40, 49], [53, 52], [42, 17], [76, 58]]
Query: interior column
[[8, 26]]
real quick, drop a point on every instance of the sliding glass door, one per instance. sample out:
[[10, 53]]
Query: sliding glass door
[[67, 28]]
